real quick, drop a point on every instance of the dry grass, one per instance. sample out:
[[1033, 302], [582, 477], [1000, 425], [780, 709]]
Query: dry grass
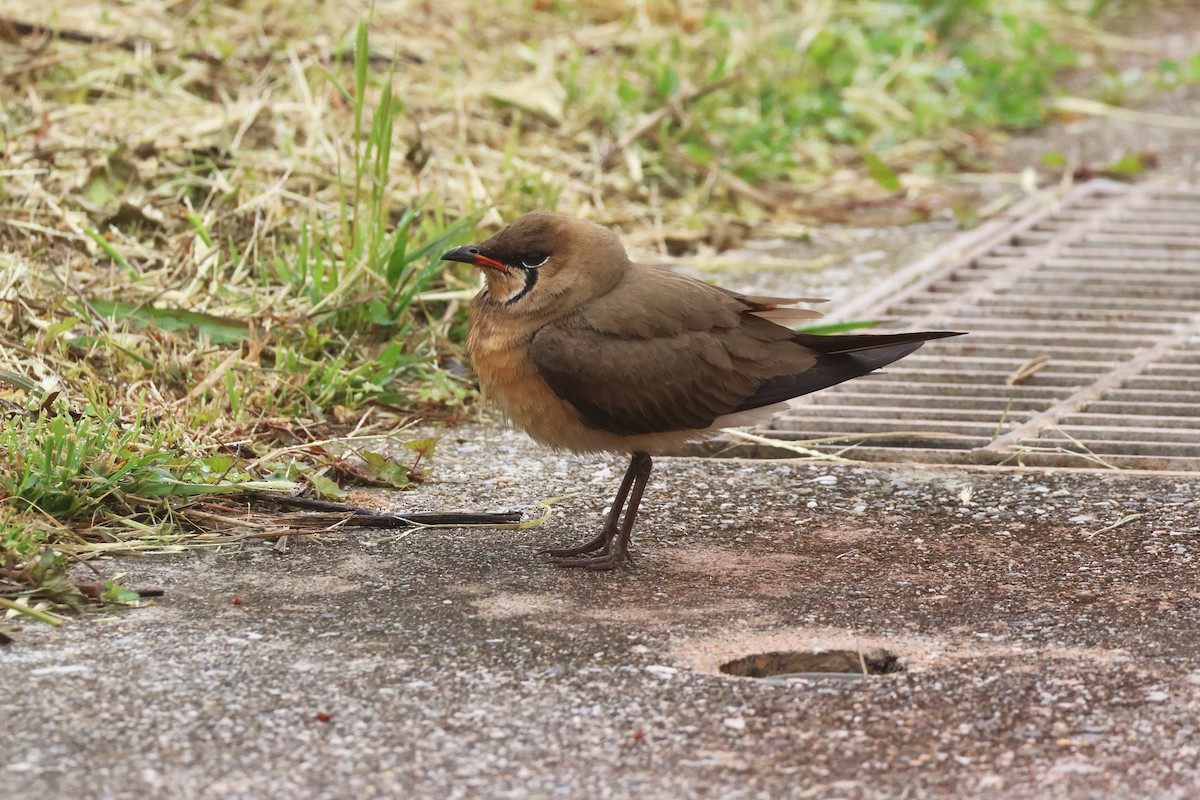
[[632, 112]]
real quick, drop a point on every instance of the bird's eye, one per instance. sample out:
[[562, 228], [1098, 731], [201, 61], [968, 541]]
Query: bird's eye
[[533, 260]]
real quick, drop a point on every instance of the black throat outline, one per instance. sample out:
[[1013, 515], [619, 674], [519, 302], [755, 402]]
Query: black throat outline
[[531, 278]]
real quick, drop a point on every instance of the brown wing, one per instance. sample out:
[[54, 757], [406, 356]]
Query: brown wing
[[663, 352]]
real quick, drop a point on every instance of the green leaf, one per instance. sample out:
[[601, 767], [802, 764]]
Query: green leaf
[[219, 464], [19, 382], [880, 172], [323, 486], [198, 226], [341, 90], [362, 58], [379, 314], [87, 341], [1127, 165], [398, 257], [59, 328], [97, 191], [118, 594], [424, 447], [387, 471], [219, 330], [107, 248], [838, 327], [1054, 159], [168, 487], [699, 152]]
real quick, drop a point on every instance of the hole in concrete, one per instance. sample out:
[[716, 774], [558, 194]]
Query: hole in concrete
[[783, 666]]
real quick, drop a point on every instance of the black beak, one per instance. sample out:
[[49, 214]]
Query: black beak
[[466, 254], [469, 254]]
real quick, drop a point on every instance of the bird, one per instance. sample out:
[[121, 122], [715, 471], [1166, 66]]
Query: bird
[[590, 352]]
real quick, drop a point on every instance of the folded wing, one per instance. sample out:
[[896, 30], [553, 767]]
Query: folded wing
[[678, 354]]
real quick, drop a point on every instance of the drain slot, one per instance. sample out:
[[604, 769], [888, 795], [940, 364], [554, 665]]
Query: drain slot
[[1115, 332], [785, 666]]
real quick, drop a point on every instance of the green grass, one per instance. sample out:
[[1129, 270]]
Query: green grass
[[81, 482], [218, 252], [308, 326]]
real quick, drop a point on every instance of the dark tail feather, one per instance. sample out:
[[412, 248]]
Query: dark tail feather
[[858, 342], [840, 359]]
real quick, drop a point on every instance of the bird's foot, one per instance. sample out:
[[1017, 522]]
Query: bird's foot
[[610, 548], [610, 558], [602, 542]]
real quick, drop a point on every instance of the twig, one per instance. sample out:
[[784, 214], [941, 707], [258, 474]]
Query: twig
[[1027, 370], [211, 379], [673, 107], [782, 445], [732, 182], [753, 193], [379, 59], [366, 518], [40, 616], [19, 28], [1117, 524], [1081, 105], [96, 589], [129, 43], [301, 524]]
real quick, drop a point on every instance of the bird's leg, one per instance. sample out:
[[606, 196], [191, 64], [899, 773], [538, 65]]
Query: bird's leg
[[605, 537], [616, 548]]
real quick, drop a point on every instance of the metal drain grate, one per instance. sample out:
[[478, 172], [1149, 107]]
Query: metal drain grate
[[1084, 345]]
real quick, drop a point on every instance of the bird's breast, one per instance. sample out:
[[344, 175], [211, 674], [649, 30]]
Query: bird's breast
[[510, 381], [499, 349]]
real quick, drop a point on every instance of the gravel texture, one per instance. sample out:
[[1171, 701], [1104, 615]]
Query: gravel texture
[[1048, 624]]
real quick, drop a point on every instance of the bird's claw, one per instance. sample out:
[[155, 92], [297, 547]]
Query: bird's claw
[[602, 542], [606, 560]]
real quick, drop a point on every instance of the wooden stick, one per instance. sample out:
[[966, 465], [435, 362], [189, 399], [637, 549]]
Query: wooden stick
[[673, 107], [366, 518]]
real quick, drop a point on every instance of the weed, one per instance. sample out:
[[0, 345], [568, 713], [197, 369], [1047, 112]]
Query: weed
[[125, 388]]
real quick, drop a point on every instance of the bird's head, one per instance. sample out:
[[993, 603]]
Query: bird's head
[[546, 263]]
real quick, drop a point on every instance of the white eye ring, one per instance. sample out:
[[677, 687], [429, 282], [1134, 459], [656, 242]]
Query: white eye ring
[[527, 265]]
